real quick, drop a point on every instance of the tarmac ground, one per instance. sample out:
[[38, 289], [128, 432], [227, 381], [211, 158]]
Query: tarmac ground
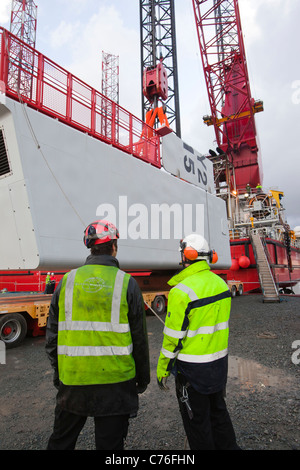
[[263, 395]]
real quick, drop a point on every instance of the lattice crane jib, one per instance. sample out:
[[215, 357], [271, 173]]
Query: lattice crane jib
[[159, 56], [232, 107], [110, 89], [110, 76]]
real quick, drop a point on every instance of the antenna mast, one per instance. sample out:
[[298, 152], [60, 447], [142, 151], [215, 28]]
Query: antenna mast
[[110, 89], [23, 24]]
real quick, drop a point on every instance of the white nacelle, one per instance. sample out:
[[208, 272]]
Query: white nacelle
[[59, 180]]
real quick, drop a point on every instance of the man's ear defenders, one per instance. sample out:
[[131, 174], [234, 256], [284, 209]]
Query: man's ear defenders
[[89, 236], [192, 254]]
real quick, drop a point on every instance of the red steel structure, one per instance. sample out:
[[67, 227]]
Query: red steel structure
[[237, 167], [23, 24], [61, 95], [226, 76], [23, 20]]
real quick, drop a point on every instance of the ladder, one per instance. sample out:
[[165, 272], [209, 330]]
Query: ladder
[[266, 279]]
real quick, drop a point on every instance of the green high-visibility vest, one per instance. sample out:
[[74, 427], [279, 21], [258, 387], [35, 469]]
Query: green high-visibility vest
[[94, 339], [196, 327]]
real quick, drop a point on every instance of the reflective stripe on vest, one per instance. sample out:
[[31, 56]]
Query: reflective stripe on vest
[[203, 330], [74, 351], [195, 358], [93, 326], [192, 295]]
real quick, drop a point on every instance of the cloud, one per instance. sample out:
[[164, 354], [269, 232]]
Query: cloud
[[64, 34], [5, 8], [104, 31]]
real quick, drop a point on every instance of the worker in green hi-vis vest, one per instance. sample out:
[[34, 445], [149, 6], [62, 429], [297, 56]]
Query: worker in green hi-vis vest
[[97, 343]]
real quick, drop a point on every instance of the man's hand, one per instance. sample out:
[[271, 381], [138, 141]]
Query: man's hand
[[162, 383]]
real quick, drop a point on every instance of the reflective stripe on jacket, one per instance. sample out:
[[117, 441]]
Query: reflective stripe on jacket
[[94, 339], [196, 327]]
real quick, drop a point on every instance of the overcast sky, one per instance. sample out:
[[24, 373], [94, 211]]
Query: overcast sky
[[74, 33]]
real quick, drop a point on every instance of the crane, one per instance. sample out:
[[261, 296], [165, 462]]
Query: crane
[[159, 65], [232, 106], [238, 166]]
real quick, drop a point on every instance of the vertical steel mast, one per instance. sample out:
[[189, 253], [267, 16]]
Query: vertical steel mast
[[23, 25], [225, 69], [110, 89], [110, 76], [158, 43]]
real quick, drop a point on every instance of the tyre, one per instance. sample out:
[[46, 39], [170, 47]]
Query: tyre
[[13, 329], [233, 291], [240, 290], [159, 304]]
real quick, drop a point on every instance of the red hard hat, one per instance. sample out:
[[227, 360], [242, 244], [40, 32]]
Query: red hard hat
[[100, 231]]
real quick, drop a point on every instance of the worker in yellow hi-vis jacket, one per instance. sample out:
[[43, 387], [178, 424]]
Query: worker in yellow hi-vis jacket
[[195, 347]]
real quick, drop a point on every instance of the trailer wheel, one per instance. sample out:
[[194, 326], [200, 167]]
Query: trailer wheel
[[159, 304], [240, 289], [13, 329], [233, 291]]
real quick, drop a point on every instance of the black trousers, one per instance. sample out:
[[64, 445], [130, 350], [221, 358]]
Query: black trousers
[[110, 431], [210, 427]]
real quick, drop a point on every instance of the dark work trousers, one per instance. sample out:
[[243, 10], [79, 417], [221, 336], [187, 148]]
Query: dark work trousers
[[110, 431], [210, 428]]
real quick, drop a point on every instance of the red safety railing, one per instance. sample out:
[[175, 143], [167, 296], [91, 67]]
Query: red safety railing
[[30, 77]]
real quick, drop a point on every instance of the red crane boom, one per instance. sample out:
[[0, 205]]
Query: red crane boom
[[225, 69]]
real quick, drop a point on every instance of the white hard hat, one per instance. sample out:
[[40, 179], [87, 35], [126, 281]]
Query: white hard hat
[[195, 247]]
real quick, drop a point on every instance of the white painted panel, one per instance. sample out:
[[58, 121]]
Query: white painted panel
[[24, 230], [17, 238], [183, 161], [18, 243], [9, 243]]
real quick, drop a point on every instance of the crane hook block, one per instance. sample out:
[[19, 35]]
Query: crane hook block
[[155, 82]]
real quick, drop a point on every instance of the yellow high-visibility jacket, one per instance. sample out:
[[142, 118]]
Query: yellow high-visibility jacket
[[196, 327]]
